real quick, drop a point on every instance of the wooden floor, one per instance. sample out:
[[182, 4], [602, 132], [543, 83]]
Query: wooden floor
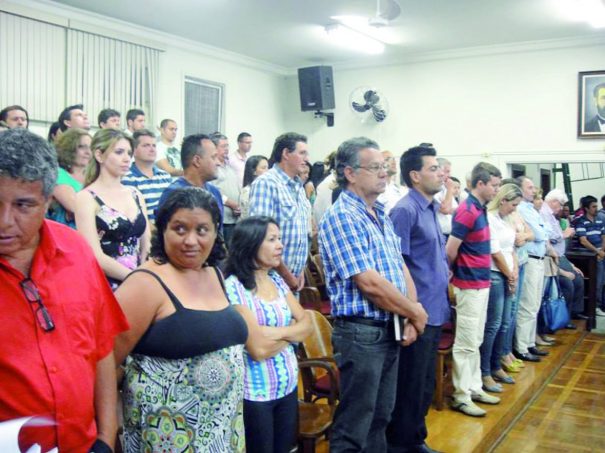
[[569, 415], [556, 405]]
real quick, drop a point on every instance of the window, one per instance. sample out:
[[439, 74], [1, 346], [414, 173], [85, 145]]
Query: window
[[203, 106]]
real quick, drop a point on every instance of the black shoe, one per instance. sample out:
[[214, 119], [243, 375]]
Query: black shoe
[[571, 326], [537, 352], [527, 357], [579, 316]]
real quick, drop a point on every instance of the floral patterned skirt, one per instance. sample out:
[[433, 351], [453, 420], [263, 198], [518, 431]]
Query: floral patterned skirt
[[185, 405]]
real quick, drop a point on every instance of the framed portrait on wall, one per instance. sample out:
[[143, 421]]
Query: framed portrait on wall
[[591, 104]]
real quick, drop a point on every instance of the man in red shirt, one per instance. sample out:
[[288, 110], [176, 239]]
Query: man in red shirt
[[59, 316]]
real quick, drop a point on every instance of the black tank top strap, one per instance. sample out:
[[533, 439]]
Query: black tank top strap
[[221, 280], [96, 198], [136, 199], [175, 301]]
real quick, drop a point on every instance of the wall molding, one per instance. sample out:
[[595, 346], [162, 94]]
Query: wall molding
[[481, 51]]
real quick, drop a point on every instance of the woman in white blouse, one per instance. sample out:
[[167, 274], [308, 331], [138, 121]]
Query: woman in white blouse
[[504, 279]]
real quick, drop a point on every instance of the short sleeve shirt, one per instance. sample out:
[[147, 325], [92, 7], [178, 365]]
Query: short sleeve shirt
[[282, 198], [352, 241], [53, 373], [151, 188], [171, 153], [473, 262], [423, 248], [593, 230], [181, 183], [502, 235]]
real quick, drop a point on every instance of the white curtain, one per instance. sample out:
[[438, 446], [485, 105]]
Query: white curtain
[[108, 73], [32, 66]]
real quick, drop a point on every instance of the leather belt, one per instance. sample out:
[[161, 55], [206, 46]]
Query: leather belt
[[536, 257], [365, 321]]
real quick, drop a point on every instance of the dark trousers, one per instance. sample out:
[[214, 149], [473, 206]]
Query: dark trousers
[[573, 290], [367, 358], [227, 232], [415, 388], [271, 426]]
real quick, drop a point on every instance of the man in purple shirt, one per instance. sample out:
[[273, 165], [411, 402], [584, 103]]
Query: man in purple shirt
[[423, 248]]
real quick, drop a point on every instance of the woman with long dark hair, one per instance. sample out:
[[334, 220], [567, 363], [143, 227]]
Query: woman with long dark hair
[[272, 313], [255, 166]]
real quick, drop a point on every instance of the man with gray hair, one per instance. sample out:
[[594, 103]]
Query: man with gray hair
[[60, 314], [570, 277], [533, 282], [445, 197], [368, 283], [227, 182]]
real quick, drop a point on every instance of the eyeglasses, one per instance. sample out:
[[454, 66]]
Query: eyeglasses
[[375, 168], [33, 297]]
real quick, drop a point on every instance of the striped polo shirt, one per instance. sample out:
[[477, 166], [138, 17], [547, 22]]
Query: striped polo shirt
[[151, 188], [593, 230], [472, 265]]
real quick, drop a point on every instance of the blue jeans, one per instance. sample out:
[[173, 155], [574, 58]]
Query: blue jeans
[[497, 324], [600, 280], [573, 290], [507, 344], [367, 358]]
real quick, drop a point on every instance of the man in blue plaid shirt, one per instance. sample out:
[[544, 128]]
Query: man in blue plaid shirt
[[367, 281], [279, 194]]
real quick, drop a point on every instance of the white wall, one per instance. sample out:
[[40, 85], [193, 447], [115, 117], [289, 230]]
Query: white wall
[[252, 96], [504, 108]]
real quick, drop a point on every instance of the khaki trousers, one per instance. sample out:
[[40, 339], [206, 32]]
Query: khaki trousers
[[471, 312], [529, 305]]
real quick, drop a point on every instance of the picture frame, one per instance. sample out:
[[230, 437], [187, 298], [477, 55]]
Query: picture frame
[[591, 104]]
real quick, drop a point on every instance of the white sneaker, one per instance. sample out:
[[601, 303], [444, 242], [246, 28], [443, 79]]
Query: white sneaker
[[600, 312], [469, 408], [485, 398]]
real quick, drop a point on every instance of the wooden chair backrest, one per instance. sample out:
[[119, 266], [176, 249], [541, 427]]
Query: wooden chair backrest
[[319, 343]]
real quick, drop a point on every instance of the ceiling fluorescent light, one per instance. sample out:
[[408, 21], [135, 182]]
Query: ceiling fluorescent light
[[386, 35], [591, 11], [344, 36]]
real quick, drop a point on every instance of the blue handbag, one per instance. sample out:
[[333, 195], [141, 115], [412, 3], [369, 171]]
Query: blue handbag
[[553, 311]]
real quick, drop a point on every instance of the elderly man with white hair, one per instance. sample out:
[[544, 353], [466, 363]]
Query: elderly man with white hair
[[570, 277]]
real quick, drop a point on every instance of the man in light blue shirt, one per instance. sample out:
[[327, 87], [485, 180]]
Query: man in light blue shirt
[[533, 284]]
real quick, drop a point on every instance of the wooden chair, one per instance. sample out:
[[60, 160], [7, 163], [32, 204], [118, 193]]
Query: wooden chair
[[315, 420], [444, 353], [310, 299], [318, 382]]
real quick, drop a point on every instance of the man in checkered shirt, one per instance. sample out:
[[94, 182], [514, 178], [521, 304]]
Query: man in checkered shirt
[[367, 281], [279, 194]]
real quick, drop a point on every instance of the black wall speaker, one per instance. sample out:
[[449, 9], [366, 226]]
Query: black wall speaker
[[316, 88]]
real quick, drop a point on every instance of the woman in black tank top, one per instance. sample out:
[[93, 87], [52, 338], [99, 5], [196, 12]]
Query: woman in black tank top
[[183, 373]]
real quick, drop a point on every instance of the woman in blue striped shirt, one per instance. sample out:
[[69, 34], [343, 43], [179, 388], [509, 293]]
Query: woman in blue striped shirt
[[272, 313]]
